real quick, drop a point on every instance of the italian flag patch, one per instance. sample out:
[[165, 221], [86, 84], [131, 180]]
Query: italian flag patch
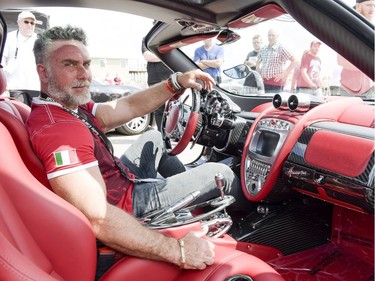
[[65, 157]]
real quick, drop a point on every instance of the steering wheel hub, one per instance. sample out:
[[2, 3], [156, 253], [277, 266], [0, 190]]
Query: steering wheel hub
[[173, 119], [180, 121]]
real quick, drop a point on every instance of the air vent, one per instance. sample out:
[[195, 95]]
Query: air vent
[[293, 102], [280, 100], [303, 102]]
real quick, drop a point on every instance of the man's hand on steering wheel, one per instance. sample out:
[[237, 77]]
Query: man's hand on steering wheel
[[190, 80], [180, 121]]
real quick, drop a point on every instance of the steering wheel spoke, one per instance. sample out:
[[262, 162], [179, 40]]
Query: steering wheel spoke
[[180, 121]]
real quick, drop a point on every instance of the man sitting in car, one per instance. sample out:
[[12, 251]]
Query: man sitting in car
[[67, 133]]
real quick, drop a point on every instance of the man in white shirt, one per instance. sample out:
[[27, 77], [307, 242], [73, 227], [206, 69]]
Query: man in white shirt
[[18, 57]]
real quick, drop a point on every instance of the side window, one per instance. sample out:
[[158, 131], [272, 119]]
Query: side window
[[275, 59]]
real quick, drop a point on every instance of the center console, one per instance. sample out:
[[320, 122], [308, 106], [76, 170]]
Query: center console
[[269, 136]]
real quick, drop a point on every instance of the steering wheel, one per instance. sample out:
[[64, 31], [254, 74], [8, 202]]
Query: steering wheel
[[180, 121]]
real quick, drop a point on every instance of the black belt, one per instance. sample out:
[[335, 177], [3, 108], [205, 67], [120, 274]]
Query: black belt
[[105, 259]]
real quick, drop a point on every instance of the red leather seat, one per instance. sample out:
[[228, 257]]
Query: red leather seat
[[13, 115], [42, 237]]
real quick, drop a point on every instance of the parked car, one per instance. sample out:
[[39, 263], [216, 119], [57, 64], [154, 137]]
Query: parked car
[[306, 163], [101, 92]]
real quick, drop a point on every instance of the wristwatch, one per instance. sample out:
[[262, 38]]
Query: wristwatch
[[172, 84]]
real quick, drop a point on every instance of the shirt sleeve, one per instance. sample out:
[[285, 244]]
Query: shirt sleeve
[[197, 55], [63, 152], [220, 53], [303, 62], [286, 55]]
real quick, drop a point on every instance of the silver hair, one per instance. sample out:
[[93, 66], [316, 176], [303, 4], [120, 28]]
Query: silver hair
[[42, 45]]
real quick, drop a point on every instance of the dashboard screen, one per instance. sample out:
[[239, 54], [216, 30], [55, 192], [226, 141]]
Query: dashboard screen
[[267, 143]]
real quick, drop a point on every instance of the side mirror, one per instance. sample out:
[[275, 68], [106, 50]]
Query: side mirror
[[238, 72]]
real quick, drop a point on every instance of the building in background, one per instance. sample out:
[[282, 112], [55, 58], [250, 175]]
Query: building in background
[[131, 71]]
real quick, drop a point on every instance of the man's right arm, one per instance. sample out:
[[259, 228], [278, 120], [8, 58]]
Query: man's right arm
[[307, 79], [116, 112], [117, 229]]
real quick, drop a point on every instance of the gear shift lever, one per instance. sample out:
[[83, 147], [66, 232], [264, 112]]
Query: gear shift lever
[[220, 183]]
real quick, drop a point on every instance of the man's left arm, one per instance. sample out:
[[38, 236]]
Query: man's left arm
[[292, 65], [216, 63]]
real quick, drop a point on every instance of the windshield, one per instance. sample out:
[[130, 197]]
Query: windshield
[[280, 55]]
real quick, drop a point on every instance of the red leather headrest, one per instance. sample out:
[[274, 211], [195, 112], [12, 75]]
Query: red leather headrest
[[3, 81]]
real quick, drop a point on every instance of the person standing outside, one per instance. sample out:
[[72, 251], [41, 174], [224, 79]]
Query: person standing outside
[[210, 58], [353, 81], [157, 71], [271, 62], [18, 57], [366, 8], [117, 80], [309, 81], [251, 61]]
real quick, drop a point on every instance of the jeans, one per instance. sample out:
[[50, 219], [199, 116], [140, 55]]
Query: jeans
[[146, 158]]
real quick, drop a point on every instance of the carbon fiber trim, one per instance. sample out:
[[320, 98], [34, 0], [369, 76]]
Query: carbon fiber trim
[[298, 152], [290, 229], [357, 191], [236, 138]]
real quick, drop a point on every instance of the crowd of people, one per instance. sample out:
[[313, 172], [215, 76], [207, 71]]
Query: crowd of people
[[271, 61]]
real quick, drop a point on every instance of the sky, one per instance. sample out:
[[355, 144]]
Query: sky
[[102, 27]]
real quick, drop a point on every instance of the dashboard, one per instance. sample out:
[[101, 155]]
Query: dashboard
[[318, 147], [267, 140]]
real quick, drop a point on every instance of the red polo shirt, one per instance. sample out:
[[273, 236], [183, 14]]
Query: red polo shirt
[[65, 145]]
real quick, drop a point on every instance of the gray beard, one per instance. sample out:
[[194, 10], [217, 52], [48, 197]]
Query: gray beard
[[65, 95]]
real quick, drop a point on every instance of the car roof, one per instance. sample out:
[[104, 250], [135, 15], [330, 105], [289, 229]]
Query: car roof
[[337, 25]]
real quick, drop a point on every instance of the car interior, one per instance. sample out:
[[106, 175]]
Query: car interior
[[306, 163]]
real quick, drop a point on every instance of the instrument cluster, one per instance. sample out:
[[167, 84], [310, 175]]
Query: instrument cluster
[[220, 109]]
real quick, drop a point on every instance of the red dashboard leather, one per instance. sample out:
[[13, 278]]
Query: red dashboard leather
[[359, 114], [343, 154]]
